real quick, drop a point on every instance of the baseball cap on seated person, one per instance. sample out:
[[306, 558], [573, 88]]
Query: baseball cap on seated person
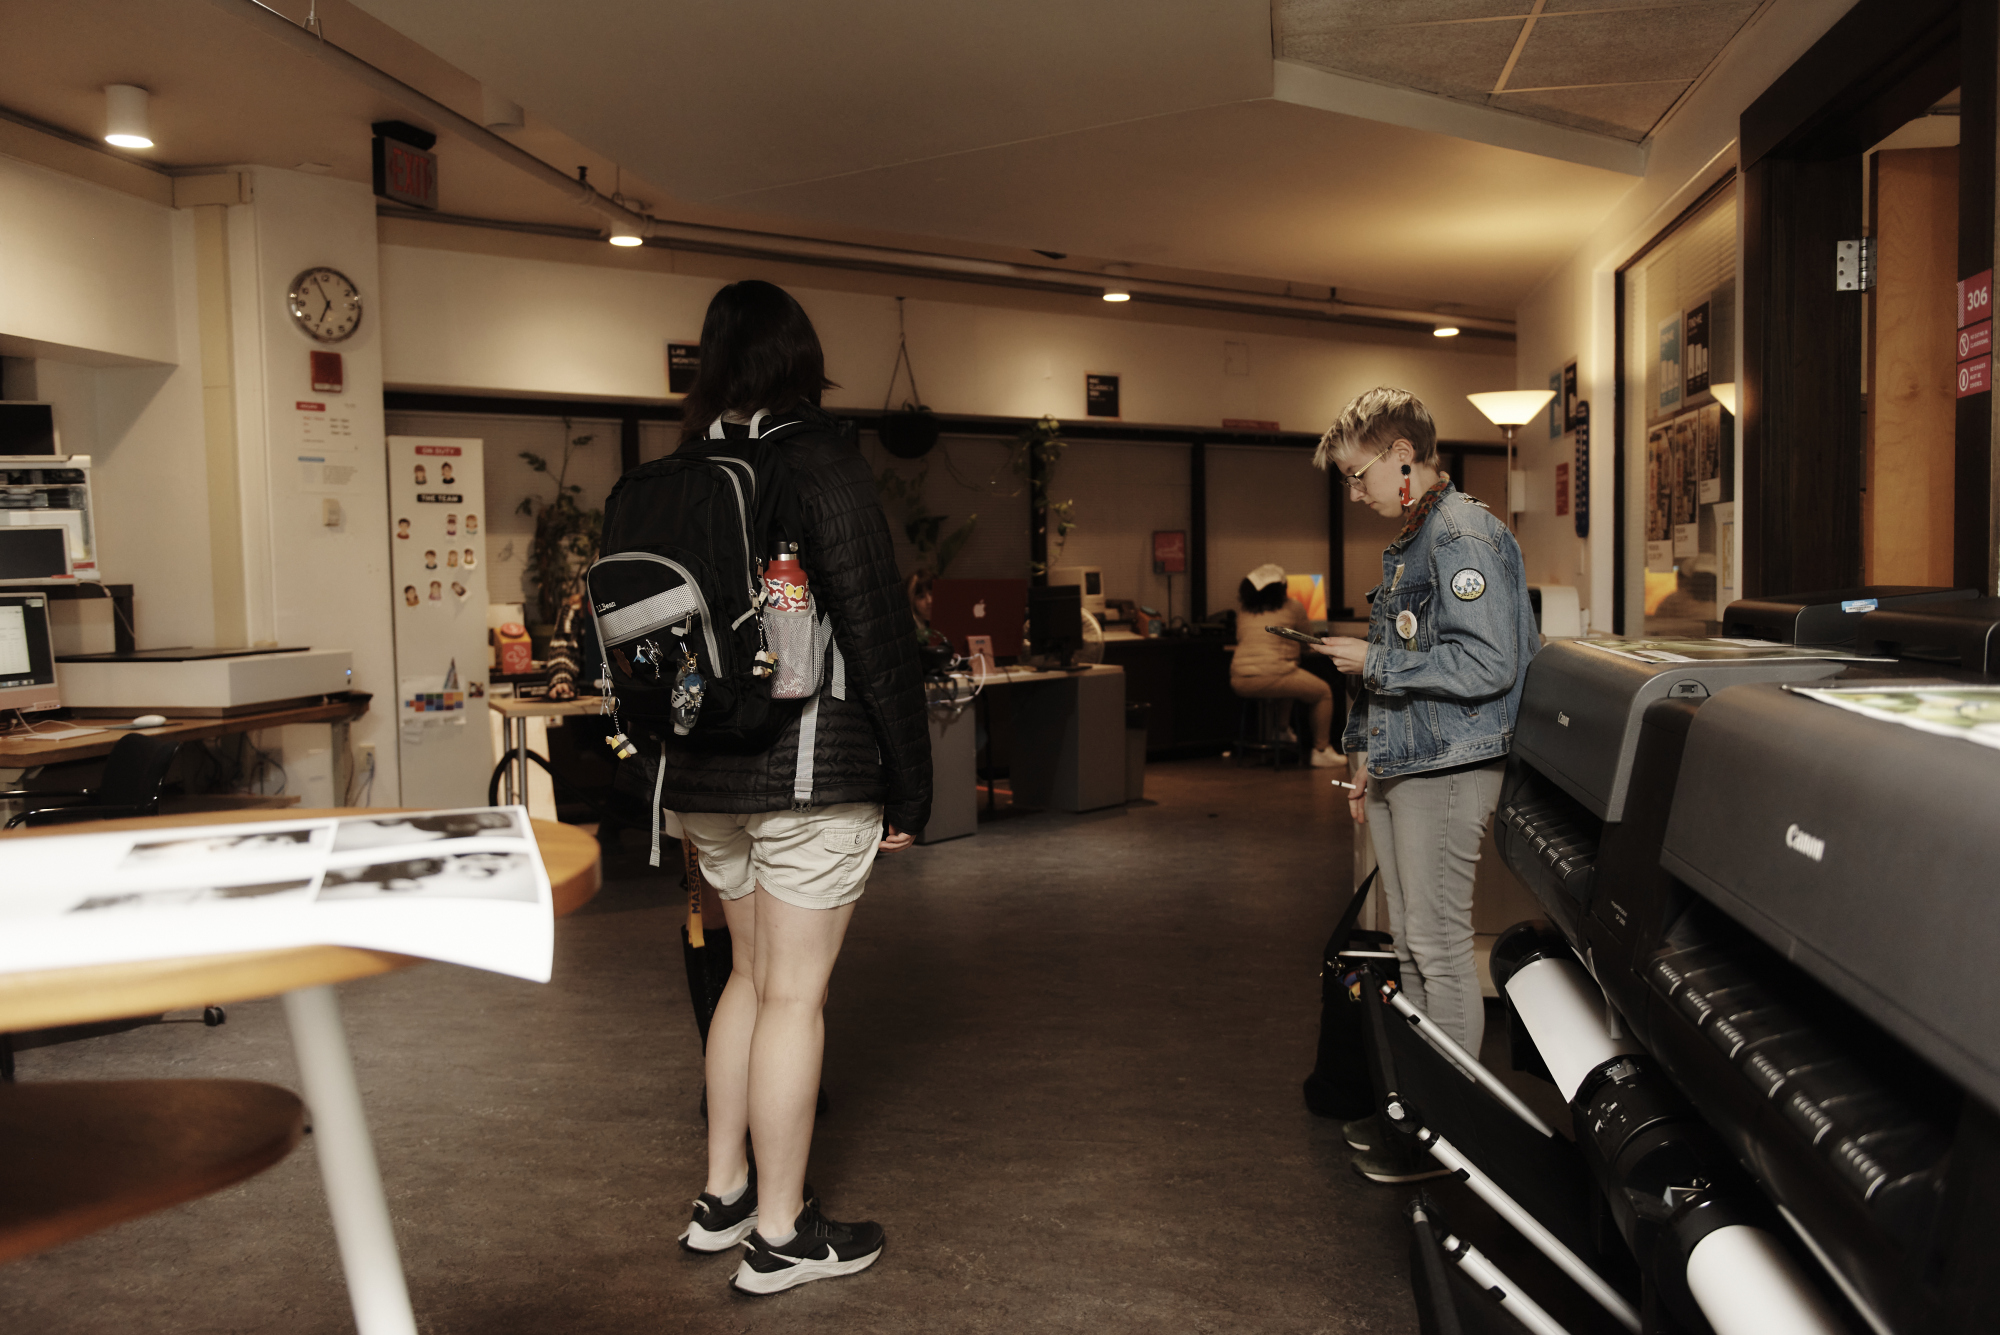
[[1264, 576]]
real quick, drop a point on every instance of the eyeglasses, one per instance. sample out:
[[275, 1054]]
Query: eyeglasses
[[1354, 478]]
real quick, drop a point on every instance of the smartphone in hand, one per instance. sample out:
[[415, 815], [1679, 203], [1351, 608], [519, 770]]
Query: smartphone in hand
[[1291, 634]]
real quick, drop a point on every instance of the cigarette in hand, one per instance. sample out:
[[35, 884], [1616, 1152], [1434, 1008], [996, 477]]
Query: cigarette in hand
[[1348, 786]]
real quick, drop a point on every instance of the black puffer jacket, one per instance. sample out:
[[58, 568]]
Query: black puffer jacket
[[875, 745]]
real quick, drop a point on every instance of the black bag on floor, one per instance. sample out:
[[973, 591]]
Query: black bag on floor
[[1338, 1086]]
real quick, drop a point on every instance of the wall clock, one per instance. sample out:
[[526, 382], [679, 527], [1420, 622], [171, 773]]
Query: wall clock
[[326, 304]]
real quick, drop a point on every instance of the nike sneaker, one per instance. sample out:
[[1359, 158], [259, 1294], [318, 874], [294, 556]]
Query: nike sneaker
[[1391, 1163], [819, 1249], [717, 1227]]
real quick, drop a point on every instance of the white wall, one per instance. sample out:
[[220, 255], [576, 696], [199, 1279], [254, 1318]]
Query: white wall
[[473, 322], [1572, 315], [306, 583]]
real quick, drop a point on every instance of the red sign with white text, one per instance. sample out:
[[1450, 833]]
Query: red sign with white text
[[1975, 377], [1169, 552], [1975, 340], [1975, 298]]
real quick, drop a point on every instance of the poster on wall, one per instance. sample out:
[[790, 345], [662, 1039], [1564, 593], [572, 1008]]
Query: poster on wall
[[1669, 368], [1555, 405], [1708, 436], [1569, 397], [1687, 532], [1694, 351], [325, 444], [1100, 395], [683, 361], [437, 565], [1659, 500]]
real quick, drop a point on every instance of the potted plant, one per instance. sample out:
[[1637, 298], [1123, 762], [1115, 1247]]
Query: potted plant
[[566, 535]]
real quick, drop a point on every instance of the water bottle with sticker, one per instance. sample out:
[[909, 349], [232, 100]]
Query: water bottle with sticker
[[788, 625]]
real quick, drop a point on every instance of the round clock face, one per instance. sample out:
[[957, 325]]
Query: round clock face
[[326, 304]]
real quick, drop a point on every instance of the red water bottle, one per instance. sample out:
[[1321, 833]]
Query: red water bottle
[[788, 625]]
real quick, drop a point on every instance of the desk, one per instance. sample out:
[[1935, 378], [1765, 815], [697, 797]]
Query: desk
[[514, 716], [305, 977], [26, 751], [1068, 752]]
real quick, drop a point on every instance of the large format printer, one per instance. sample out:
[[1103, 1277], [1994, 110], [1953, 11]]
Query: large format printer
[[1789, 1104]]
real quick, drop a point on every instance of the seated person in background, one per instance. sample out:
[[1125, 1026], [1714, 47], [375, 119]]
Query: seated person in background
[[918, 587], [568, 653], [1267, 666]]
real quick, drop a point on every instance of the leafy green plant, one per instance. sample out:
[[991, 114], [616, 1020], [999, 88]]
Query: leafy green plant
[[1041, 443], [566, 533], [904, 496]]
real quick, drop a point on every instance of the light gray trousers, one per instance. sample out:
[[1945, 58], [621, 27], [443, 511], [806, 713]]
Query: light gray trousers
[[1426, 829]]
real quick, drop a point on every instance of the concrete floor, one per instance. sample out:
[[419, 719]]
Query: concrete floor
[[1064, 1060]]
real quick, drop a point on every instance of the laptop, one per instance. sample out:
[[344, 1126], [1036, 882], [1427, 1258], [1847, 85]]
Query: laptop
[[991, 607]]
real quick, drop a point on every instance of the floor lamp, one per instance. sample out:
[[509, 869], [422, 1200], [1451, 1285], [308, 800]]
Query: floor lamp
[[1511, 409]]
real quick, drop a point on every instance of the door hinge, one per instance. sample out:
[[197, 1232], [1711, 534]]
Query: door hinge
[[1854, 265]]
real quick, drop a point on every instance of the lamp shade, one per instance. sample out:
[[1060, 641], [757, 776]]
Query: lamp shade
[[126, 124], [1511, 407], [1725, 394]]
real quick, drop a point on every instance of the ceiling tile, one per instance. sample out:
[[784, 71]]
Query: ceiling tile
[[1628, 111], [1455, 58], [1295, 17], [1566, 50]]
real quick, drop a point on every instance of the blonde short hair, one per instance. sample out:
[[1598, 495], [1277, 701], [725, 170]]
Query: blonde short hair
[[1374, 421]]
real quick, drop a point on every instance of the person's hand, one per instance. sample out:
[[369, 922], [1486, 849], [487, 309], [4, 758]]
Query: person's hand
[[1356, 806], [1348, 654], [895, 841], [562, 692]]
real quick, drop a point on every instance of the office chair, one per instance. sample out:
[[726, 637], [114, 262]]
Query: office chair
[[134, 773]]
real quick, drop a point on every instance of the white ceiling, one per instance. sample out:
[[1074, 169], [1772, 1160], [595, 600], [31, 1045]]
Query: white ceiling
[[1141, 132]]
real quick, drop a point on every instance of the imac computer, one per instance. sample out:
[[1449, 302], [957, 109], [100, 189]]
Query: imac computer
[[27, 659]]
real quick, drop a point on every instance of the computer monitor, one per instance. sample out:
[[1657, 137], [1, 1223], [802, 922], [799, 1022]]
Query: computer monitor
[[28, 429], [994, 607], [33, 554], [1055, 621], [1309, 591], [1088, 578], [27, 658]]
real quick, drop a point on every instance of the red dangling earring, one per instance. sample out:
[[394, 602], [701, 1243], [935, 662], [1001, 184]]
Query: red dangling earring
[[1406, 486]]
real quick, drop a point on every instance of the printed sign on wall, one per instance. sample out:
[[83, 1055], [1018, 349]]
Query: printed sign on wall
[[1169, 552], [1100, 395], [683, 360], [1669, 364]]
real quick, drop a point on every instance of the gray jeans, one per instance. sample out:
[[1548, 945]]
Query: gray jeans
[[1426, 829]]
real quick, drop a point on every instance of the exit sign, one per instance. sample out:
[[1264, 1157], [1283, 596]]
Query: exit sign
[[405, 173]]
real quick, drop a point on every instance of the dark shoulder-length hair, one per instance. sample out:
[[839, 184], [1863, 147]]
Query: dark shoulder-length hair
[[1267, 599], [758, 351]]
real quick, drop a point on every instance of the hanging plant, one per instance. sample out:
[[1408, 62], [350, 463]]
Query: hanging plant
[[566, 534], [911, 431]]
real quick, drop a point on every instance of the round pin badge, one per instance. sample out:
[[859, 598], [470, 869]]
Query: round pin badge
[[1406, 624], [1468, 584]]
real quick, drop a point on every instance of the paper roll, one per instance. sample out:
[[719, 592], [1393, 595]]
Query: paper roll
[[1565, 1015], [1746, 1284]]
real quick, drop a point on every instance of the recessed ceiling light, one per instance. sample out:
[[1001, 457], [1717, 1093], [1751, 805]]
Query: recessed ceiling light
[[1117, 294], [125, 120], [1445, 331]]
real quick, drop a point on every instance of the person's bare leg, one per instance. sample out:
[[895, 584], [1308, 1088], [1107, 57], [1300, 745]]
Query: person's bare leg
[[1322, 707], [729, 1038], [796, 949]]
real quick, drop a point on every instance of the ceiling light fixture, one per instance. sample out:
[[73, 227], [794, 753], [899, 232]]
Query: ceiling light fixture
[[1117, 294], [125, 120], [1445, 331], [1510, 410], [624, 234]]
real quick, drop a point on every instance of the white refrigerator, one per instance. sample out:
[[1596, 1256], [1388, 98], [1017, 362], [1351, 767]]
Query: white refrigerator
[[437, 526]]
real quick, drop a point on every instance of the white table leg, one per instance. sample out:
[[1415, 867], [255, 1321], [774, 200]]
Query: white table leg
[[347, 1164]]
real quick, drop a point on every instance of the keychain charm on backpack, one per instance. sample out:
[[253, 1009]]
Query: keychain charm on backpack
[[621, 746], [689, 688], [764, 664], [649, 660]]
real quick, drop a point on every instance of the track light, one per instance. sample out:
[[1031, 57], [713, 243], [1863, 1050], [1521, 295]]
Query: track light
[[624, 234], [1445, 331], [125, 120], [1117, 294]]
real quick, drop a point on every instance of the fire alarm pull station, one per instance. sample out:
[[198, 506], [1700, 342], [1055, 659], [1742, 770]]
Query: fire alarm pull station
[[328, 375]]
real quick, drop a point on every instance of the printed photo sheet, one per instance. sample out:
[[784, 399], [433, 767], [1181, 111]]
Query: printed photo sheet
[[464, 886], [1970, 713]]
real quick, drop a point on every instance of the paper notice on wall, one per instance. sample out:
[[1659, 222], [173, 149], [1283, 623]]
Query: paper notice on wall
[[317, 473], [1659, 499], [325, 424], [467, 886], [1708, 452]]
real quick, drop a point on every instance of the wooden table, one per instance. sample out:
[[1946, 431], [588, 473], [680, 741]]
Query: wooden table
[[514, 716], [305, 977], [26, 751]]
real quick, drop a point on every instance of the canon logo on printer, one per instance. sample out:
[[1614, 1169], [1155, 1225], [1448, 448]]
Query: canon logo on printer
[[1800, 842]]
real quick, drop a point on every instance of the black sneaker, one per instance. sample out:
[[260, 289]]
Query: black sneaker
[[1365, 1133], [717, 1227], [819, 1249]]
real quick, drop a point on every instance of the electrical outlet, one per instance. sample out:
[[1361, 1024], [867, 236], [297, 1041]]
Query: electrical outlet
[[364, 757]]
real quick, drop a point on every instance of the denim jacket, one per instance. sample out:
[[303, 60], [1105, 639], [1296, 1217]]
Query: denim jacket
[[1448, 692]]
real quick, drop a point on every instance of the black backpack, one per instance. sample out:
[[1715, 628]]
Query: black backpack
[[677, 596]]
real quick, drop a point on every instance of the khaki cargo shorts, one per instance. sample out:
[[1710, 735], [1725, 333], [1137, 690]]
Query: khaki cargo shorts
[[813, 859]]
